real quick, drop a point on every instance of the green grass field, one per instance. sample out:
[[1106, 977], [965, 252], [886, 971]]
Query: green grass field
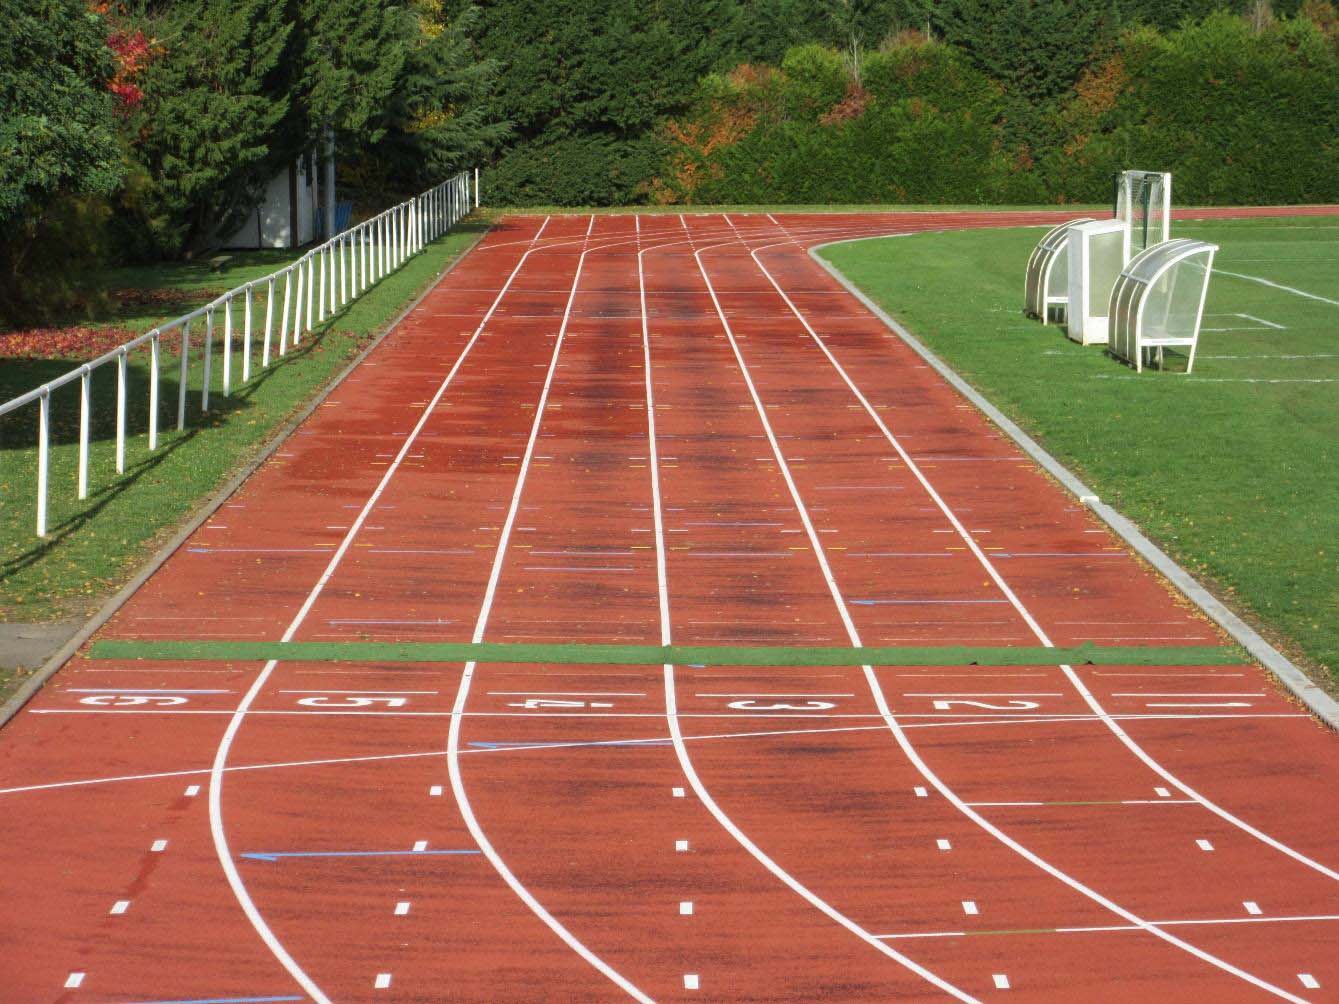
[[1234, 469], [93, 546]]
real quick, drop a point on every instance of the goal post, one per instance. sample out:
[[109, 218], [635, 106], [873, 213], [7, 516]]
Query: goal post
[[1143, 200]]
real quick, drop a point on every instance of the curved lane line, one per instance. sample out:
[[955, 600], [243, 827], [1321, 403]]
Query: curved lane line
[[458, 712], [988, 566], [907, 748], [671, 703]]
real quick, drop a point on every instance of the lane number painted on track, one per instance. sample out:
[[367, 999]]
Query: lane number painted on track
[[352, 702], [132, 700], [539, 703], [1009, 705], [752, 705]]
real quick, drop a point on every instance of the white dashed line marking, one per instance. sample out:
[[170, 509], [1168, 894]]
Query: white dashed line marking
[[690, 981], [681, 845], [1309, 981], [1162, 793], [943, 844], [435, 791], [192, 790], [158, 846], [420, 845], [382, 981], [401, 908], [921, 792], [1203, 844], [1001, 981], [677, 792], [1252, 907], [969, 907], [686, 908], [119, 907], [73, 980]]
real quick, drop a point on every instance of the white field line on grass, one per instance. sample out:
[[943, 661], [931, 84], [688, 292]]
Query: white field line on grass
[[989, 567], [671, 706], [894, 725], [1276, 285]]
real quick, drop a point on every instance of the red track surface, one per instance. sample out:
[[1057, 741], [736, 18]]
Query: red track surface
[[793, 834]]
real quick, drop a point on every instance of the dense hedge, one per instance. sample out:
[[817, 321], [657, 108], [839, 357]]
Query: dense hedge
[[1238, 114]]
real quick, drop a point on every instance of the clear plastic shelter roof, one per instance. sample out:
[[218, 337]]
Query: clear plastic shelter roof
[[1047, 272], [1158, 301]]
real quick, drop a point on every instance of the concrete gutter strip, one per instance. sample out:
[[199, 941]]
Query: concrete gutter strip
[[1325, 707], [35, 683]]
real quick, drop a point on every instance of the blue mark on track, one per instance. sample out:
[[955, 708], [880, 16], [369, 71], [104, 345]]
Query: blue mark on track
[[276, 855]]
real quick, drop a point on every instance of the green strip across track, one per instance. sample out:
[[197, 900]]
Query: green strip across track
[[657, 655]]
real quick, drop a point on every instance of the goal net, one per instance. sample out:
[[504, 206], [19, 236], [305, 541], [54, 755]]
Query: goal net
[[1144, 202]]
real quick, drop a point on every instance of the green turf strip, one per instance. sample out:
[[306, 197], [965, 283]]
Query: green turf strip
[[656, 655]]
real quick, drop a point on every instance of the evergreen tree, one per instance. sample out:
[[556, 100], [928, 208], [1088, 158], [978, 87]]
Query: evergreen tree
[[203, 135], [57, 129]]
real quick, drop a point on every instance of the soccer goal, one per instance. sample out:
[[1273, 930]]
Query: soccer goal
[[1144, 203]]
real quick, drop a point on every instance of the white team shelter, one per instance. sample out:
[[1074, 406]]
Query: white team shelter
[[1046, 286], [1158, 302]]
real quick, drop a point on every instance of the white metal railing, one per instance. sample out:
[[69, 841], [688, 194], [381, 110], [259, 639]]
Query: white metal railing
[[316, 286]]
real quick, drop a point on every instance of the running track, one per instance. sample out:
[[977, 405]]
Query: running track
[[648, 430]]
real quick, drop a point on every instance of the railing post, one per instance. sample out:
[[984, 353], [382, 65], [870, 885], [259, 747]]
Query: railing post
[[227, 347], [246, 335], [43, 457], [311, 284], [476, 188], [297, 304], [85, 406], [153, 390], [283, 320], [184, 373], [320, 299], [269, 321], [209, 358], [121, 364]]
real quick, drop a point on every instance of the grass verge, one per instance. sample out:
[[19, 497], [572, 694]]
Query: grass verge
[[93, 546], [1229, 469]]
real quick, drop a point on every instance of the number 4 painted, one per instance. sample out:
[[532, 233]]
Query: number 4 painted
[[537, 703]]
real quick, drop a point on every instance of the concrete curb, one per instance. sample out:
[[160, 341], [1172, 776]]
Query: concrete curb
[[33, 684], [1321, 704]]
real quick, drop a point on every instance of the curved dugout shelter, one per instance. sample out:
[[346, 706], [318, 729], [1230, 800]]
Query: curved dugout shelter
[[1046, 284], [1158, 301]]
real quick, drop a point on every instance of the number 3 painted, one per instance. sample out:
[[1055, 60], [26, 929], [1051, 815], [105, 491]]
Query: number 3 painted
[[805, 706]]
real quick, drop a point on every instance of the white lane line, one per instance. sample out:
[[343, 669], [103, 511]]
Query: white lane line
[[216, 825], [1098, 709], [1105, 928], [876, 690], [462, 694], [119, 907], [671, 705], [681, 750], [382, 981], [74, 980], [686, 908], [401, 908], [1275, 285], [1001, 981]]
